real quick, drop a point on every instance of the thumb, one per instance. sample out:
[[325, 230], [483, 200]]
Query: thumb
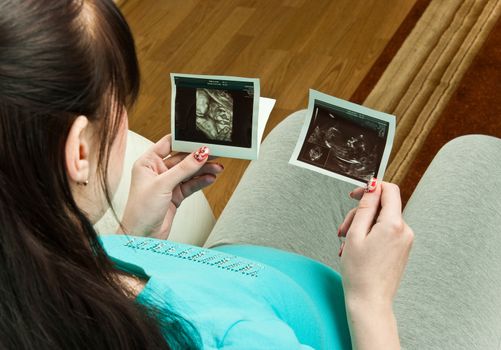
[[366, 214], [185, 169]]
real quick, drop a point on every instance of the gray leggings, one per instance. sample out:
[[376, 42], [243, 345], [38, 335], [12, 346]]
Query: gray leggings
[[450, 297]]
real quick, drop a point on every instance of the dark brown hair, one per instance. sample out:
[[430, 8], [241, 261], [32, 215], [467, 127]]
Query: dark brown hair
[[58, 289]]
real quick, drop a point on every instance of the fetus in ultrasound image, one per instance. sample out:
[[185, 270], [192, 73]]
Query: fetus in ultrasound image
[[214, 114], [343, 145]]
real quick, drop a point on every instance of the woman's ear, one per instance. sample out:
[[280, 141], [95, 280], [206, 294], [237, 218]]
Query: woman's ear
[[77, 151]]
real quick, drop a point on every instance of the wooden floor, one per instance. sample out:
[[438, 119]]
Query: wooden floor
[[291, 45]]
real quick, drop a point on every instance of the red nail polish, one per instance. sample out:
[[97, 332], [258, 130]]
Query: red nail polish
[[201, 154], [221, 165], [371, 185], [341, 249], [339, 232]]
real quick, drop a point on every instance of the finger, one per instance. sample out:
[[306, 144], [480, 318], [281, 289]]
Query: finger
[[172, 153], [185, 169], [196, 184], [163, 146], [341, 248], [174, 159], [391, 203], [367, 210], [357, 193], [345, 225], [209, 167]]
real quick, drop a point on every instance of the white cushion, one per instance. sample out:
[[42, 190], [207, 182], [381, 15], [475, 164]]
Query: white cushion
[[194, 219]]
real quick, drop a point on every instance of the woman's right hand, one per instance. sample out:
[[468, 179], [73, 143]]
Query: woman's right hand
[[374, 256], [160, 182]]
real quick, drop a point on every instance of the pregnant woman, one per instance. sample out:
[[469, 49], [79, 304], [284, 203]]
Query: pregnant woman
[[68, 73]]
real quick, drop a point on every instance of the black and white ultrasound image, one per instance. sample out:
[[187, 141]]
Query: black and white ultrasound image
[[214, 116], [339, 143]]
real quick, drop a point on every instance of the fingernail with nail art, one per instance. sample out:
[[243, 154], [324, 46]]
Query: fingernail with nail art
[[201, 154], [371, 185]]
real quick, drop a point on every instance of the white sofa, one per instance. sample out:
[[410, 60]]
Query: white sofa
[[184, 229]]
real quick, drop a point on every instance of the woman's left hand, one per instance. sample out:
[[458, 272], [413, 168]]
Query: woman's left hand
[[377, 245], [160, 182]]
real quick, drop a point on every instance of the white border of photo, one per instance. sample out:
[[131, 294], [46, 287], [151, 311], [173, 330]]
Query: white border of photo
[[319, 96], [258, 121]]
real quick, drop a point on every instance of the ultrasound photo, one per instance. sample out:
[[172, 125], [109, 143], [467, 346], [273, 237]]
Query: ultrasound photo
[[345, 143], [220, 112], [339, 144], [214, 114]]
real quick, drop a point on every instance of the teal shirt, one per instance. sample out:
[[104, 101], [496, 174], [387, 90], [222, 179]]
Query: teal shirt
[[239, 297]]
